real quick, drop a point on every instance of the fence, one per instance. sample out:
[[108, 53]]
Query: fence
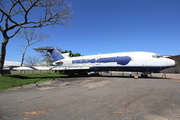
[[27, 71]]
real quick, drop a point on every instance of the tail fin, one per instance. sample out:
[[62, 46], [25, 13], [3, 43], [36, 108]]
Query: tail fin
[[56, 55]]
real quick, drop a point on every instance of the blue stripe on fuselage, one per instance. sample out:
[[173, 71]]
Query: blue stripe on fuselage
[[124, 60], [131, 68]]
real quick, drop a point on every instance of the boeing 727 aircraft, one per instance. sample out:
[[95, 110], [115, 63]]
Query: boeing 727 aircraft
[[145, 62]]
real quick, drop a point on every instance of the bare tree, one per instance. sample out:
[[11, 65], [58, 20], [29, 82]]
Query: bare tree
[[50, 12], [32, 60], [32, 38]]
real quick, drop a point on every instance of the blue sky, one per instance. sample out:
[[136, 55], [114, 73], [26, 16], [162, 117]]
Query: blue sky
[[108, 26]]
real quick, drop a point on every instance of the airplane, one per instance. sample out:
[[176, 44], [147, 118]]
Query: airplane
[[145, 62]]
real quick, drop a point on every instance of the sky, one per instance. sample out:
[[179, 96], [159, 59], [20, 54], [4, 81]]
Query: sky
[[109, 26]]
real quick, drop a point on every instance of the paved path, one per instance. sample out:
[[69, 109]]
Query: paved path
[[94, 98]]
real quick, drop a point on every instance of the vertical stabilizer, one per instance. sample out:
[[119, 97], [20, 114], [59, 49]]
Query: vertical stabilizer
[[56, 55]]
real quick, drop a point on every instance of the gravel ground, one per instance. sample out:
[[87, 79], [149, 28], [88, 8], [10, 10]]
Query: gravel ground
[[95, 98]]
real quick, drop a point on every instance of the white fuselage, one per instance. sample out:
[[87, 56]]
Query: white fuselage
[[124, 61]]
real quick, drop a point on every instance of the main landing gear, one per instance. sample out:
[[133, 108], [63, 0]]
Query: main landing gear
[[78, 73], [145, 74]]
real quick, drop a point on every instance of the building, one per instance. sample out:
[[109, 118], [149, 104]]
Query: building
[[175, 69]]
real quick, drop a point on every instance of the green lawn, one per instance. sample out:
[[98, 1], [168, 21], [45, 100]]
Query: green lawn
[[15, 80]]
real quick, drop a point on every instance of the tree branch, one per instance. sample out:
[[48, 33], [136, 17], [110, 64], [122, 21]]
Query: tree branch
[[51, 16], [15, 33], [1, 18], [1, 29], [26, 12], [6, 20]]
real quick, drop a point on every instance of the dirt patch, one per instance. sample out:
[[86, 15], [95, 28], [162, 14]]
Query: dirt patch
[[6, 117], [155, 117], [34, 113], [177, 80], [21, 103], [46, 83], [97, 84], [46, 88], [126, 110], [86, 82], [64, 84]]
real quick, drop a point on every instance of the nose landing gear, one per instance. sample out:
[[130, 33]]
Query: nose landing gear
[[164, 75]]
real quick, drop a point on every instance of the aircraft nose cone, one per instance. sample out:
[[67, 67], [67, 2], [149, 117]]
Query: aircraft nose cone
[[171, 62]]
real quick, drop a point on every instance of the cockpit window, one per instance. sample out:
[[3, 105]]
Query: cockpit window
[[154, 56], [157, 56]]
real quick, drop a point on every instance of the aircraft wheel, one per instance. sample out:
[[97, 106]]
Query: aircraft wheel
[[144, 75], [83, 73]]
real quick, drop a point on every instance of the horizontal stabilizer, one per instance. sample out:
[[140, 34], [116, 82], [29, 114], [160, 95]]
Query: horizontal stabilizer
[[56, 55]]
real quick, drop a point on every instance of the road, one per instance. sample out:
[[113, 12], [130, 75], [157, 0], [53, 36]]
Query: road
[[94, 98]]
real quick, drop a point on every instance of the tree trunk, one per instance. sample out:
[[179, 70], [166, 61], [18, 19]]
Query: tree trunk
[[24, 54], [3, 52]]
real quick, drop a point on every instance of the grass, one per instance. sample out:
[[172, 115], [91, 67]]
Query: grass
[[15, 80]]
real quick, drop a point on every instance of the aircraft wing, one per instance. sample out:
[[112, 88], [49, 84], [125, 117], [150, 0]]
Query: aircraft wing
[[53, 68], [72, 68]]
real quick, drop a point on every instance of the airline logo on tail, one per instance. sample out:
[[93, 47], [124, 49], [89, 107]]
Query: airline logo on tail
[[56, 55]]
